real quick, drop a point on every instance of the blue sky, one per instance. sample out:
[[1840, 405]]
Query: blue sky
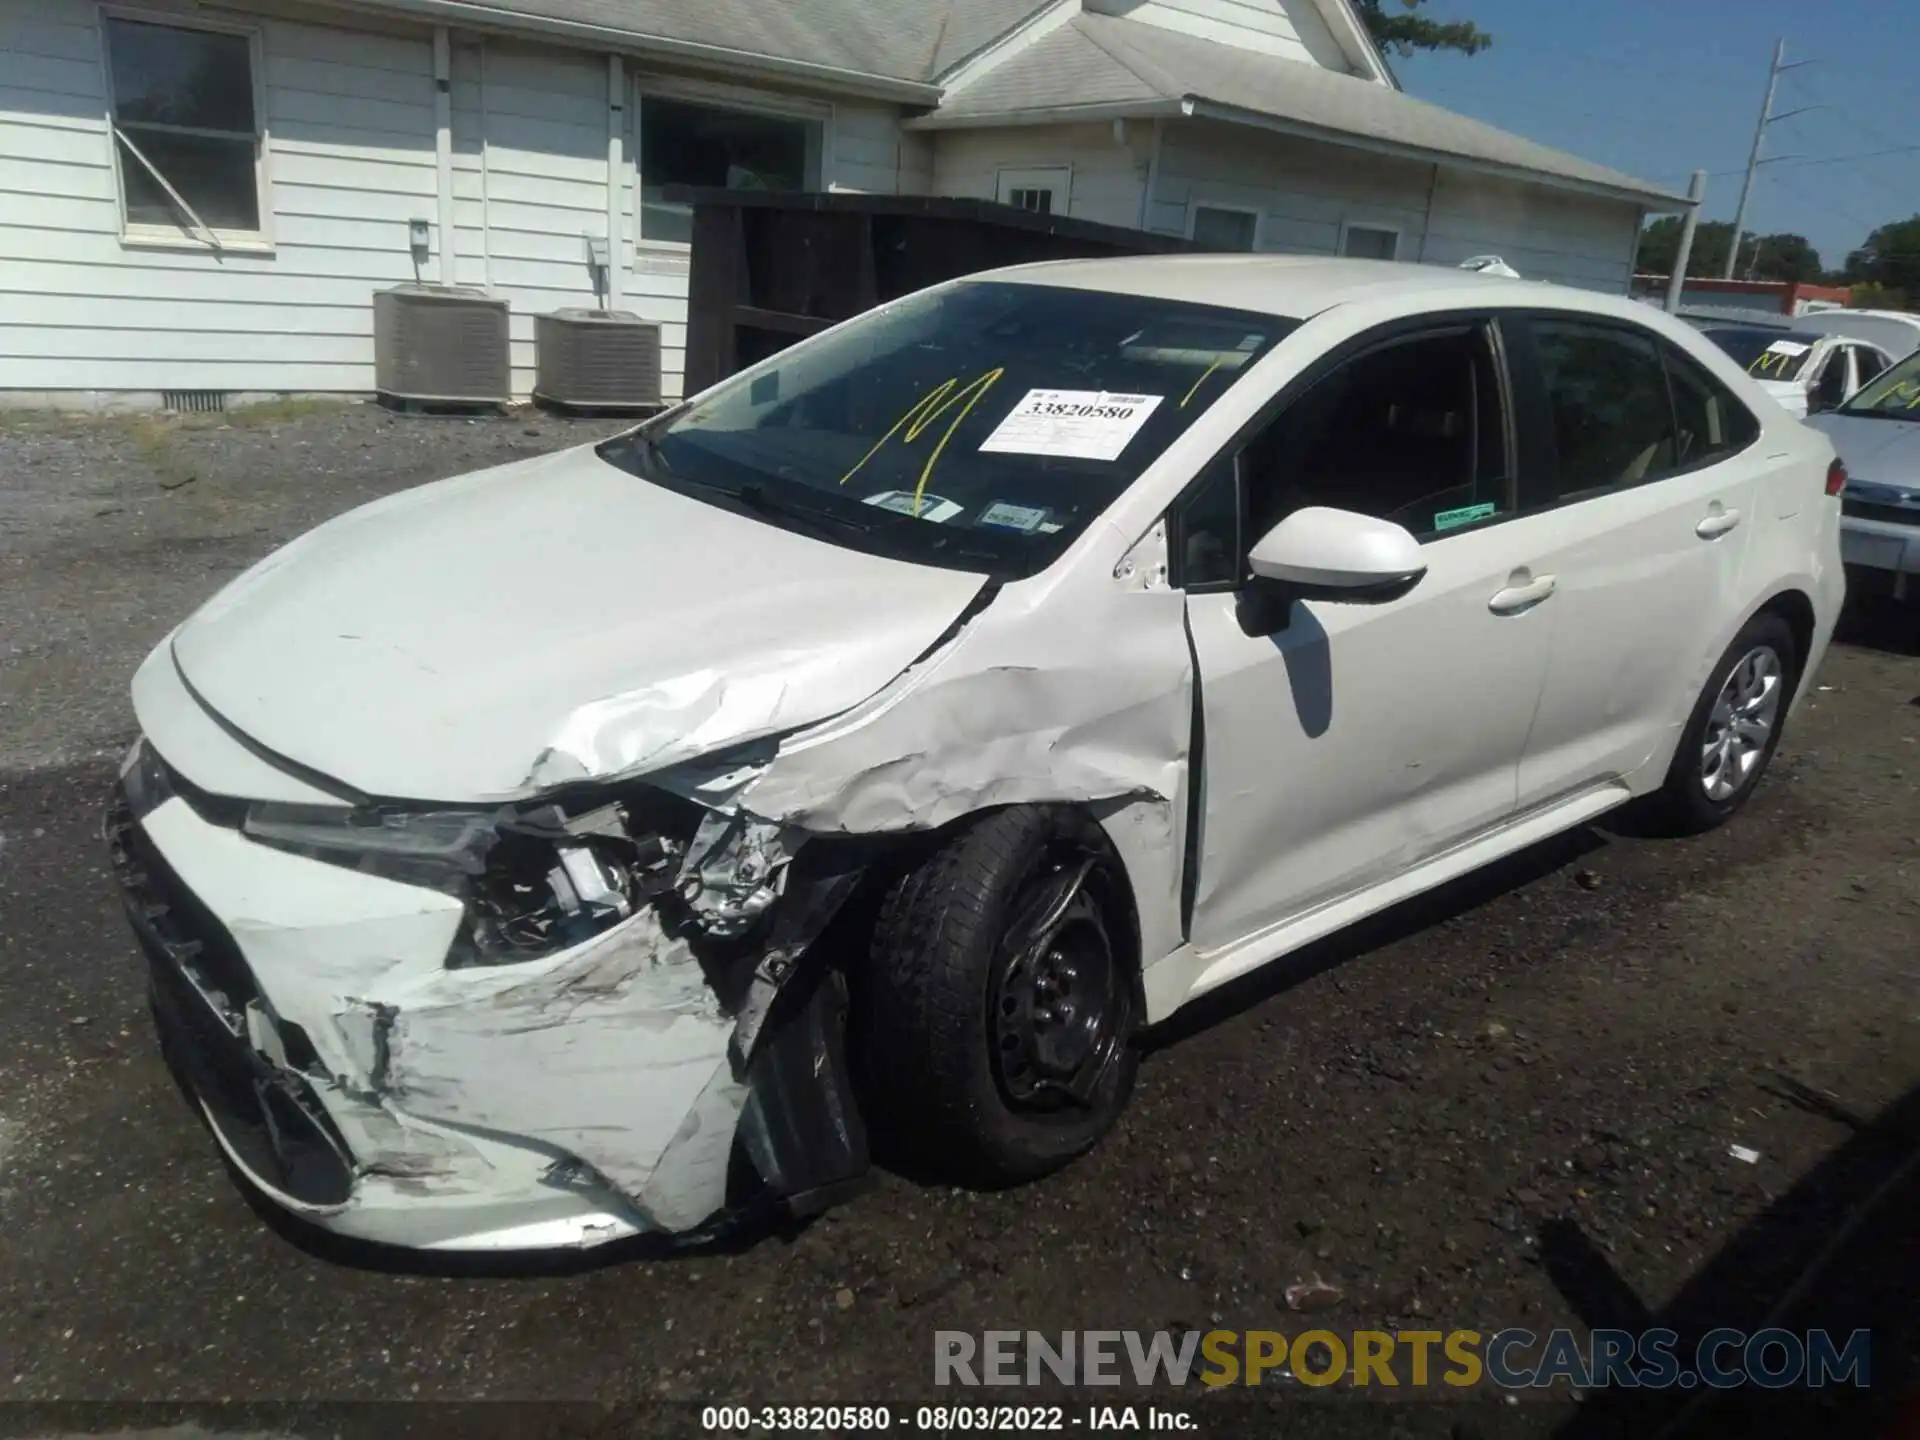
[[1660, 89]]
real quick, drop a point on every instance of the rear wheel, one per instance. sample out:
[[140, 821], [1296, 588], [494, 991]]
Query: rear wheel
[[999, 1001], [1733, 731]]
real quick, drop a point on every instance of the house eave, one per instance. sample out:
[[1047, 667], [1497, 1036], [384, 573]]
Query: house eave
[[1049, 115], [852, 83]]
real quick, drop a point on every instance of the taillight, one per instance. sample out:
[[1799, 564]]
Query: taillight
[[1836, 476]]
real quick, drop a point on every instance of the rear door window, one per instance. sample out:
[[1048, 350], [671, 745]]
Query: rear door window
[[1611, 421]]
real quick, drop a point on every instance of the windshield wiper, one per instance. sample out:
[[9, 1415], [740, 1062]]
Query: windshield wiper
[[819, 519], [758, 497]]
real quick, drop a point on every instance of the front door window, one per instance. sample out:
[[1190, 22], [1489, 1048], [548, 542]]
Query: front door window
[[1346, 742]]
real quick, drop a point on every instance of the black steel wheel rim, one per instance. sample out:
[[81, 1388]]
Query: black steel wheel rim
[[1058, 1005]]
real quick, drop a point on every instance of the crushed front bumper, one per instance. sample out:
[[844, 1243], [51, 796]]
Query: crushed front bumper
[[359, 1083]]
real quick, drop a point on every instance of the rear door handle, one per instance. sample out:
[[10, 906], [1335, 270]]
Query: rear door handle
[[1717, 524], [1515, 598]]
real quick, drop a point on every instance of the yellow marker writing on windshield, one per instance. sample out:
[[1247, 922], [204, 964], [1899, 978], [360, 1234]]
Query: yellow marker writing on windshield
[[1205, 376], [923, 413]]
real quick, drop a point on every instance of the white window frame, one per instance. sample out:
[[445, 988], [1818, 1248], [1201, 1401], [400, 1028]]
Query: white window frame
[[1346, 226], [1194, 207], [718, 97], [1056, 179], [185, 236]]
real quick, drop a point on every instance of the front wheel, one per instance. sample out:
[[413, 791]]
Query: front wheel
[[1733, 731], [999, 1001]]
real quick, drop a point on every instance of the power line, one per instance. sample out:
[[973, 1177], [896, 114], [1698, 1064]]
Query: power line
[[1839, 110], [1797, 162], [1843, 211]]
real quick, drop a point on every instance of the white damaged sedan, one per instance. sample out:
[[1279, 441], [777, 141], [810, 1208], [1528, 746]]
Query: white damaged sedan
[[612, 842]]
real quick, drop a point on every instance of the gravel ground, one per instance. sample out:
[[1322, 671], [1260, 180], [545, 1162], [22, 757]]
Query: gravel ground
[[1507, 1104]]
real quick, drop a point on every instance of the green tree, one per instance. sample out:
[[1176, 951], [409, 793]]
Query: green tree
[[1762, 257], [1782, 257], [1869, 296], [1660, 246], [1890, 259], [1404, 31]]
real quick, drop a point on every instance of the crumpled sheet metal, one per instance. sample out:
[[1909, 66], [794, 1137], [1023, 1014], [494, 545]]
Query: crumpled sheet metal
[[658, 724], [1004, 715], [464, 1085], [620, 1049], [1017, 707], [619, 1057], [1016, 710]]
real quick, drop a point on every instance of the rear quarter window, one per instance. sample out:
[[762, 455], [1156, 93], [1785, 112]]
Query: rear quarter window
[[1710, 423]]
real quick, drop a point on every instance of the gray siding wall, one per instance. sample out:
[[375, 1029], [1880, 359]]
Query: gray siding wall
[[1108, 173], [349, 120], [1305, 191]]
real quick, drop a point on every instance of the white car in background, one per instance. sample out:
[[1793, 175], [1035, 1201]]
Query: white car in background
[[602, 843], [1894, 332], [1805, 371]]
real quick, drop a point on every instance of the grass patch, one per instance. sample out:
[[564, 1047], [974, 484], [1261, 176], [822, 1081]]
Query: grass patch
[[152, 439], [278, 412]]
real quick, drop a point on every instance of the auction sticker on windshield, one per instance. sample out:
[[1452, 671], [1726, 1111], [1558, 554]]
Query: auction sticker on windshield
[[1072, 424], [936, 508]]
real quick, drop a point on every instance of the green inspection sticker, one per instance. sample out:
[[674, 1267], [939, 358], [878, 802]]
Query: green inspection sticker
[[1466, 515]]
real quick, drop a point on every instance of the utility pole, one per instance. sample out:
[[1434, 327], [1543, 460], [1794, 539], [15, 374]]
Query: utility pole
[[1676, 282], [1767, 117]]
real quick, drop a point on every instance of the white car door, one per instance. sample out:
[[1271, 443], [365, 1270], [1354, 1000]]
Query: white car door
[[1657, 485], [1833, 381], [1343, 741]]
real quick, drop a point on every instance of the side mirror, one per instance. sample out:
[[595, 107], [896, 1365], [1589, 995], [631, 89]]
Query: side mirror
[[1338, 555]]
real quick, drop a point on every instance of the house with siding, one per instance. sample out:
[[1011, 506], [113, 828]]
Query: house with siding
[[204, 195]]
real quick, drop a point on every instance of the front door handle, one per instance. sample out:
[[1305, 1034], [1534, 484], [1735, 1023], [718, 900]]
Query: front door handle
[[1717, 523], [1515, 598]]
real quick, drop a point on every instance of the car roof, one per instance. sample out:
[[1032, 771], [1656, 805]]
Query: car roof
[[1799, 337], [1299, 286]]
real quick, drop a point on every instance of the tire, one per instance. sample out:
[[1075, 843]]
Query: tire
[[989, 1056], [1756, 676]]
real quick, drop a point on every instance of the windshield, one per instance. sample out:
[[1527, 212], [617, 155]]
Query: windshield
[[981, 426], [1894, 394], [1766, 354]]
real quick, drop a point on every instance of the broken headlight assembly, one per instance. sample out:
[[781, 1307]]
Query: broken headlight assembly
[[535, 879]]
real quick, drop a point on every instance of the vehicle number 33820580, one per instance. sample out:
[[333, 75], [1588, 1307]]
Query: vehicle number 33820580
[[934, 1419]]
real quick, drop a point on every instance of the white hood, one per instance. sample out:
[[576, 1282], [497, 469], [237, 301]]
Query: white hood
[[495, 635]]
